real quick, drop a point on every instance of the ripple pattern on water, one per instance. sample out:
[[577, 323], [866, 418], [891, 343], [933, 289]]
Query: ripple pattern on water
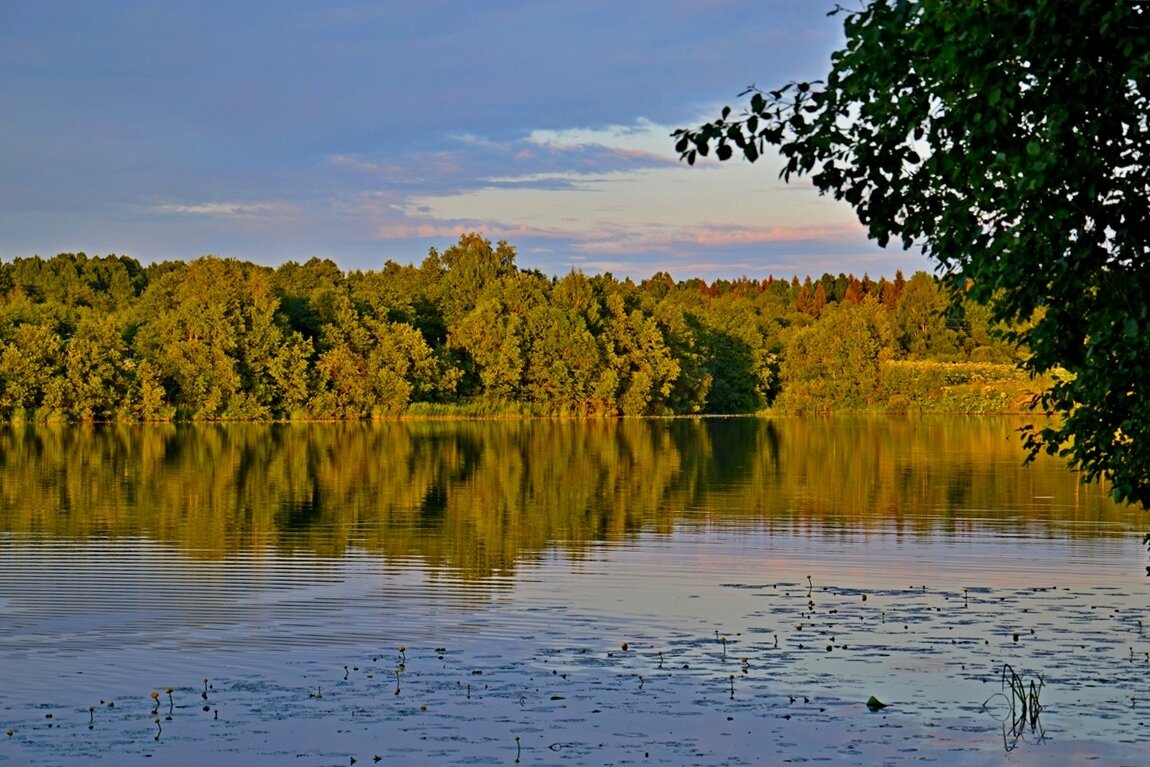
[[720, 666]]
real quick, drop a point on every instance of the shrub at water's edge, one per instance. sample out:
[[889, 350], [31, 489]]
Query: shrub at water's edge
[[921, 386], [924, 386]]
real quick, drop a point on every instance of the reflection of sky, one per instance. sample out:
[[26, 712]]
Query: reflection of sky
[[365, 131], [86, 598], [942, 614]]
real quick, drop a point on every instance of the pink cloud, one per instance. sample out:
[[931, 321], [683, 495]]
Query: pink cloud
[[347, 161], [408, 231], [490, 230], [744, 236], [631, 240]]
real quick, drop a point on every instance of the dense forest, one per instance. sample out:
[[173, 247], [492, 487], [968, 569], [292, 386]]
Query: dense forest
[[469, 332]]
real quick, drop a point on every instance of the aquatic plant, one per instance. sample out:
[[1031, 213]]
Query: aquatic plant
[[1025, 706]]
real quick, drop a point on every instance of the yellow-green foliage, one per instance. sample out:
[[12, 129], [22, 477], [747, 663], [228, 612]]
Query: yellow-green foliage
[[465, 333], [955, 387]]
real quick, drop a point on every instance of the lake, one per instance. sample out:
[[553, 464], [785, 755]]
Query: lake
[[684, 591]]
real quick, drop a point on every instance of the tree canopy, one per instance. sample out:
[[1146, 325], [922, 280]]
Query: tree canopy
[[468, 332], [1010, 141]]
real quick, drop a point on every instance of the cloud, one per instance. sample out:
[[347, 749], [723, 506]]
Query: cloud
[[612, 198], [542, 159], [490, 229], [356, 163], [624, 240], [750, 235], [643, 135], [643, 143], [227, 209]]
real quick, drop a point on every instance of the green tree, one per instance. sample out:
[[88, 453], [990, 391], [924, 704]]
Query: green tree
[[366, 366], [491, 333], [836, 362], [561, 353], [921, 316], [1008, 141], [734, 342], [467, 267], [639, 371], [30, 361], [297, 284], [95, 381], [212, 331]]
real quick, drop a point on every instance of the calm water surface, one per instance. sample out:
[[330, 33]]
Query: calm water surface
[[765, 576]]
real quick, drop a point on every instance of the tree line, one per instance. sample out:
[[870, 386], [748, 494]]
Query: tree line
[[465, 331]]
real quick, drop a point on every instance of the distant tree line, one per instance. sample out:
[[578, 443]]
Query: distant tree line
[[467, 331]]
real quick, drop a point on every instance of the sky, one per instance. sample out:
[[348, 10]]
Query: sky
[[277, 130]]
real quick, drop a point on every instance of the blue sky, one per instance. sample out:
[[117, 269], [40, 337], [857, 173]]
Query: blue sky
[[275, 130]]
